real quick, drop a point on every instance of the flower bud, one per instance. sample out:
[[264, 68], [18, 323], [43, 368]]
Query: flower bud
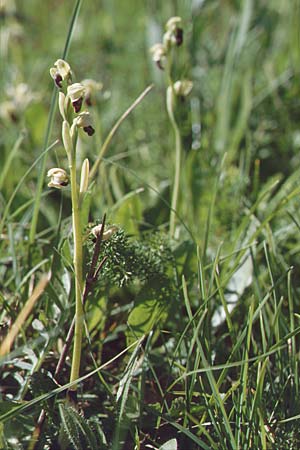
[[60, 72], [76, 94], [84, 178], [61, 104], [159, 55], [66, 137], [58, 178], [84, 120], [182, 88]]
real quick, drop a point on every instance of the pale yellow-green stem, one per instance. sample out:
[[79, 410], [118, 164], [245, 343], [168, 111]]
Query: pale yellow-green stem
[[78, 266], [170, 109], [170, 102]]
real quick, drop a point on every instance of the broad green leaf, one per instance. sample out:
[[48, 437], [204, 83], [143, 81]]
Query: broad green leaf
[[150, 310]]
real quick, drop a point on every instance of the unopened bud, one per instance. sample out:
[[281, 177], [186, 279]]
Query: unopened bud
[[61, 104], [66, 137], [84, 178]]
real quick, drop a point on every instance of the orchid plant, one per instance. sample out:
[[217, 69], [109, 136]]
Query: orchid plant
[[71, 98], [163, 55], [70, 101]]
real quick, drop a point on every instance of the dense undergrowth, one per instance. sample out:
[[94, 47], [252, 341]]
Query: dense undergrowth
[[191, 331]]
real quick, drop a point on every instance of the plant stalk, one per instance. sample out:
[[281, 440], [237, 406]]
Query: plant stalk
[[78, 265], [175, 192]]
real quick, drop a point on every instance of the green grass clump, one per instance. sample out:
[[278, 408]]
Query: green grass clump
[[190, 288]]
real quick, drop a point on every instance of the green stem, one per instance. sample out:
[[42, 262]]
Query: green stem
[[78, 264], [174, 201]]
